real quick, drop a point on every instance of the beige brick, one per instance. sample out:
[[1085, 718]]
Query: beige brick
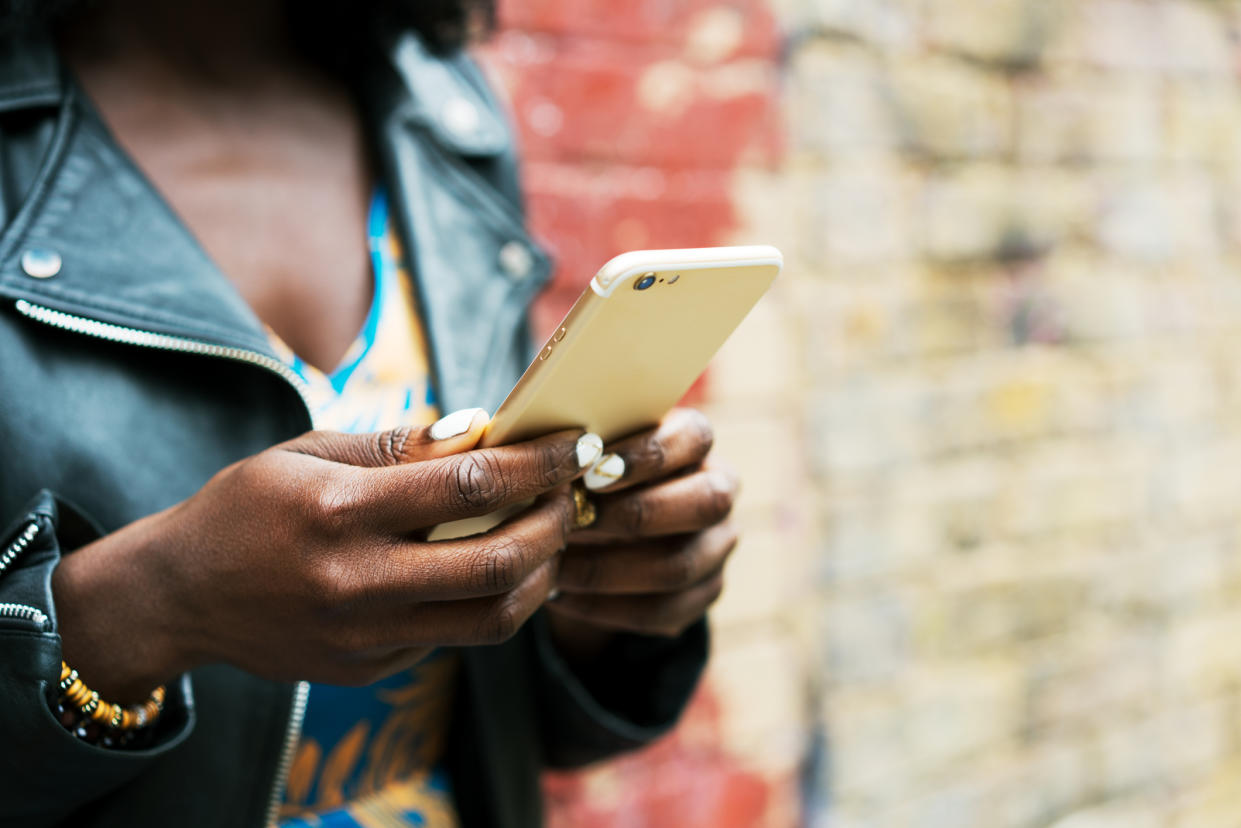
[[860, 214], [968, 213], [1203, 121], [892, 24], [1214, 801], [1002, 31], [1133, 812], [950, 109], [838, 102], [1073, 116]]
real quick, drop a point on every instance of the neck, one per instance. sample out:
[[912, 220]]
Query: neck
[[214, 41]]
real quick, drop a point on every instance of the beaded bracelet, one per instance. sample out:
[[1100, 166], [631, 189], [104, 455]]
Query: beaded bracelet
[[89, 717]]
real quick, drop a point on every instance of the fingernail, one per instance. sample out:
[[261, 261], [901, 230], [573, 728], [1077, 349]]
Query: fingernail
[[589, 447], [454, 424], [553, 595], [606, 472]]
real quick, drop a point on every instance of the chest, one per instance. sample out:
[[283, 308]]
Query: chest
[[276, 191]]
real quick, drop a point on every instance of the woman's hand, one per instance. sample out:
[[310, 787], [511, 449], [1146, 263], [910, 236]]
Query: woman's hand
[[308, 561], [653, 561]]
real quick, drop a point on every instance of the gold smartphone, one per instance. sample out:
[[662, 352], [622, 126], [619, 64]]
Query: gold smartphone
[[630, 347]]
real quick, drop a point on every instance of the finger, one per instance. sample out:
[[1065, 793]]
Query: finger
[[678, 506], [666, 614], [456, 432], [416, 496], [682, 440], [481, 621], [663, 565], [482, 565]]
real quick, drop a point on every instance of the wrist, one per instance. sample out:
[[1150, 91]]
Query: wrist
[[113, 616]]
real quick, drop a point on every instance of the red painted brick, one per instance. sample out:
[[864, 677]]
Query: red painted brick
[[583, 102], [645, 21]]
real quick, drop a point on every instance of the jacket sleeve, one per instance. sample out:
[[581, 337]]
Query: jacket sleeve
[[46, 772], [631, 694]]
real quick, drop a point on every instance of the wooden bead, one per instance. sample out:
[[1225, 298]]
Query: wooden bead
[[99, 721]]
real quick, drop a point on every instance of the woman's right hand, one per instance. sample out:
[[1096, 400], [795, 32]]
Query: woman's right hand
[[308, 561]]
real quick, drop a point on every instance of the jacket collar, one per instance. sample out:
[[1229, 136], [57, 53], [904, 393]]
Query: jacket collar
[[127, 259], [29, 72]]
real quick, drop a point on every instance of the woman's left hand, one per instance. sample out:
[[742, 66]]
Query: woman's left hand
[[653, 560]]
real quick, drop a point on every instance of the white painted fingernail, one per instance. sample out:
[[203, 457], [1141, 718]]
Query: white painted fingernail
[[589, 447], [454, 424], [604, 473]]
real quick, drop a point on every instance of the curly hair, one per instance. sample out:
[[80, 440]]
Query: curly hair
[[331, 31]]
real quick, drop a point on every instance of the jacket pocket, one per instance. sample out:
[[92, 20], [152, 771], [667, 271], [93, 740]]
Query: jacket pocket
[[47, 773]]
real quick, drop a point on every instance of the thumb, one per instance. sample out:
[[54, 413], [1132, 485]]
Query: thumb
[[456, 432]]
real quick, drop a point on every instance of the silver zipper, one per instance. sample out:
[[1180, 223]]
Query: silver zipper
[[19, 544], [161, 342], [301, 695], [10, 554], [26, 612], [164, 342]]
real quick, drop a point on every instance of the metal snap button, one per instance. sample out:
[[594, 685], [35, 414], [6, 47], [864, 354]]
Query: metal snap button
[[516, 260], [460, 117], [41, 263]]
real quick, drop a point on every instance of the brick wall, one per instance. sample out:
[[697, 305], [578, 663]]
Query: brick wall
[[990, 419]]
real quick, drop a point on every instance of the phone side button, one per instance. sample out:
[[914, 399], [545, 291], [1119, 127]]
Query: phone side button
[[546, 353], [560, 334]]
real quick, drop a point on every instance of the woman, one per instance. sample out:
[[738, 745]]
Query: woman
[[212, 613]]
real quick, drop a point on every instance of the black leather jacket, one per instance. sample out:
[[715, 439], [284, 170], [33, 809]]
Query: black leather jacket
[[133, 371]]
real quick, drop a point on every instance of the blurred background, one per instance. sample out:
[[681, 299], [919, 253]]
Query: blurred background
[[989, 421]]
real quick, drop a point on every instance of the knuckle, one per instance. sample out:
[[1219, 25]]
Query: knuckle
[[500, 624], [477, 481], [499, 564], [583, 570], [717, 504], [388, 447], [333, 508], [333, 586], [551, 463], [632, 515], [649, 454], [681, 569]]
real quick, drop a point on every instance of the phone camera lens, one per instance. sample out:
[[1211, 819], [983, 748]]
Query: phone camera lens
[[645, 282]]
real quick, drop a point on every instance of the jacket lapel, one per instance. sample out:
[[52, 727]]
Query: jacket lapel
[[127, 259], [448, 156]]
